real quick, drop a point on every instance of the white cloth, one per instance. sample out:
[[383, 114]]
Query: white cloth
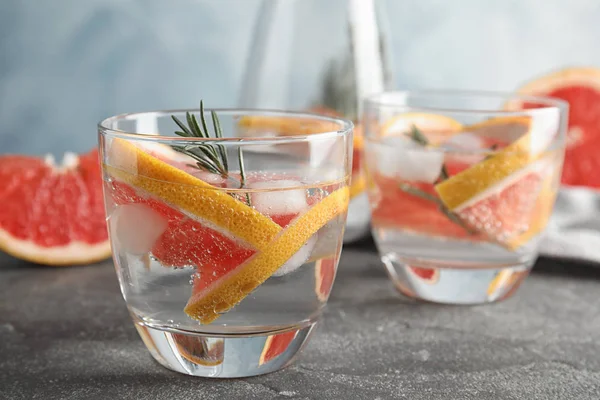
[[574, 228]]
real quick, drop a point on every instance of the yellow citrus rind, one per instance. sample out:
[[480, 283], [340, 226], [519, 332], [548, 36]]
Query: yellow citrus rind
[[462, 187], [139, 169], [207, 305]]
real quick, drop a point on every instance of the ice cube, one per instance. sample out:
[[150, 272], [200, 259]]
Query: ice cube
[[402, 158], [545, 126], [459, 146], [137, 227], [208, 177], [463, 142], [277, 197], [298, 259]]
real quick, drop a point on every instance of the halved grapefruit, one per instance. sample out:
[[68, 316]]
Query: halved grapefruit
[[580, 87], [52, 214], [275, 345]]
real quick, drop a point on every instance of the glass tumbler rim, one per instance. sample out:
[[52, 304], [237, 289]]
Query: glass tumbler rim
[[392, 101], [547, 102], [105, 126]]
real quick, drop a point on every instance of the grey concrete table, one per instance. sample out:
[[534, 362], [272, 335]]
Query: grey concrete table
[[66, 334]]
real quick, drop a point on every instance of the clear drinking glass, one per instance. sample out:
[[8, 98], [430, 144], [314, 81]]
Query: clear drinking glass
[[225, 247], [322, 56], [461, 186]]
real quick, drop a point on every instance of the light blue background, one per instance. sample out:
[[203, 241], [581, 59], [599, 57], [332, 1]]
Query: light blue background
[[65, 64]]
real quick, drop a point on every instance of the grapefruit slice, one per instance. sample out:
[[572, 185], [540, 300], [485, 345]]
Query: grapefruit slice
[[177, 244], [206, 305], [497, 195], [580, 87], [131, 165], [275, 345], [53, 214], [324, 274], [392, 206]]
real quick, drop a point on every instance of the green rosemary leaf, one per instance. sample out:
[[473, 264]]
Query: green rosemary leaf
[[205, 135], [190, 153], [242, 169], [203, 120], [193, 126], [243, 174], [219, 134], [206, 150], [444, 173], [184, 128], [216, 124], [418, 136], [204, 164]]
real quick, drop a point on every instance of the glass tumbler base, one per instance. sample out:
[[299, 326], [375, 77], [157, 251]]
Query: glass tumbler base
[[461, 286], [226, 356]]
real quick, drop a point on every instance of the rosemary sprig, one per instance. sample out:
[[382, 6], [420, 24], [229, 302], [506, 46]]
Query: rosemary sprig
[[441, 206], [208, 157], [416, 135]]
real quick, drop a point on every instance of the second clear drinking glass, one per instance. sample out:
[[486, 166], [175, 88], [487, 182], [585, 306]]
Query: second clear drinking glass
[[226, 247], [461, 187]]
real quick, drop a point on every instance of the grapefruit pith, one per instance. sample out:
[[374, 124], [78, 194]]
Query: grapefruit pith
[[580, 87], [53, 214]]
